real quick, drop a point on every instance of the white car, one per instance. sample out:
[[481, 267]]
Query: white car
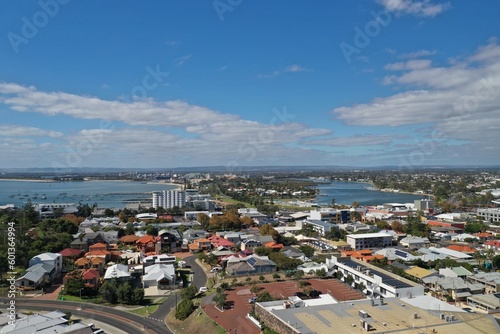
[[203, 289], [215, 269]]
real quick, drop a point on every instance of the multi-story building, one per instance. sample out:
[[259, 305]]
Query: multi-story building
[[376, 281], [169, 199], [369, 240], [492, 214], [331, 215], [424, 205], [322, 227]]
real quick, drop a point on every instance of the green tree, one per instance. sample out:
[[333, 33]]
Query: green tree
[[137, 296], [264, 297], [188, 292], [184, 309], [220, 299], [108, 292], [307, 250]]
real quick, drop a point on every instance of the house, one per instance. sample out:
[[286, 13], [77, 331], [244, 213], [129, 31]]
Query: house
[[412, 242], [91, 279], [420, 273], [128, 240], [455, 272], [220, 241], [71, 253], [200, 245], [463, 249], [490, 281], [492, 244], [118, 271], [95, 263], [161, 276], [170, 240], [250, 244], [274, 246], [252, 264], [54, 259], [294, 254], [447, 287], [80, 244], [52, 322], [311, 267], [148, 244], [158, 259], [31, 280]]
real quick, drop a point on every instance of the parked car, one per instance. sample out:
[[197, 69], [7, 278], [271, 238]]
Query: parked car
[[252, 300], [203, 289], [215, 269]]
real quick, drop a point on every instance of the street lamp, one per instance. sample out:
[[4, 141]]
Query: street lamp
[[80, 307]]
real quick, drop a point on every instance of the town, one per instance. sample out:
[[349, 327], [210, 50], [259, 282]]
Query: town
[[256, 252]]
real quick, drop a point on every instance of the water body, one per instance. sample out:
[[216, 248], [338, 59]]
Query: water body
[[107, 194], [348, 192]]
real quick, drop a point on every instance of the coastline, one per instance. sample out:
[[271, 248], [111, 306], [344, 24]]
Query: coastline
[[31, 180], [176, 185]]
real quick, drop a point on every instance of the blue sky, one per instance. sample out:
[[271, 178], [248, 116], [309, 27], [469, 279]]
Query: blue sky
[[237, 83]]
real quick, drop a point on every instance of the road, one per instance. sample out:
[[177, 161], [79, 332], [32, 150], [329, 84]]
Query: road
[[199, 279], [125, 321]]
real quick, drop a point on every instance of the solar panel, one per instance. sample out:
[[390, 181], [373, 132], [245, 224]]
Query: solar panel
[[401, 253], [251, 261]]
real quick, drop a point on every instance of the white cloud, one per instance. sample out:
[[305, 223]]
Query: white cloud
[[290, 69], [24, 131], [359, 140], [174, 128], [181, 60], [461, 100], [424, 8]]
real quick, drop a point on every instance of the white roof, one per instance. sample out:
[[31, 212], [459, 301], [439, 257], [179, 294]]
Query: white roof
[[117, 271], [368, 235], [430, 303], [159, 271], [447, 252]]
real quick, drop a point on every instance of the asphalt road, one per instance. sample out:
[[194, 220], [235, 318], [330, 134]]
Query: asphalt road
[[125, 321], [199, 279]]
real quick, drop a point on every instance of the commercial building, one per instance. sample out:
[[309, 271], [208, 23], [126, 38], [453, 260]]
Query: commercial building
[[322, 227], [369, 240], [331, 215], [376, 281], [492, 214], [391, 315]]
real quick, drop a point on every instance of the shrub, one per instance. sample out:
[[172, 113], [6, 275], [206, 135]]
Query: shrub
[[184, 309]]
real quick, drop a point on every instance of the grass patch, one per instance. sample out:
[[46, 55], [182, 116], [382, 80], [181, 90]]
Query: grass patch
[[145, 310], [197, 322], [94, 300]]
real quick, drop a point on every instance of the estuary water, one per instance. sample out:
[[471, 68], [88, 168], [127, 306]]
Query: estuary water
[[349, 192], [107, 194]]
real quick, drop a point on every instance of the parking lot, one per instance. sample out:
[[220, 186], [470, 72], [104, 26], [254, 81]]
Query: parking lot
[[238, 301]]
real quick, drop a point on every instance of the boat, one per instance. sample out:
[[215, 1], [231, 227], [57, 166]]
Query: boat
[[44, 197]]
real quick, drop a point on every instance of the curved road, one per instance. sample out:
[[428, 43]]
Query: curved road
[[199, 279], [126, 321]]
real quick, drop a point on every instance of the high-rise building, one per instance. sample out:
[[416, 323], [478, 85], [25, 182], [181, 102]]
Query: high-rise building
[[169, 199]]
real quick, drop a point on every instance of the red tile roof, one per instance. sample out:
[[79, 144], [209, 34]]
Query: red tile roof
[[90, 274], [71, 252], [462, 248]]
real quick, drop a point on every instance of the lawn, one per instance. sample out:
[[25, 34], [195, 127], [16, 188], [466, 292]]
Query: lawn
[[146, 310], [197, 322]]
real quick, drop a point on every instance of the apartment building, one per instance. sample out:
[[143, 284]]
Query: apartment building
[[369, 240]]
